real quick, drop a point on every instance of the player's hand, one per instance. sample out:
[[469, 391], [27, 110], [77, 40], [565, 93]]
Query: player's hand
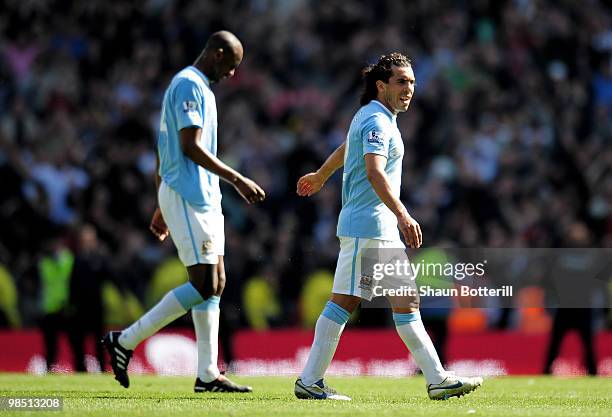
[[158, 226], [249, 190], [410, 230], [310, 184]]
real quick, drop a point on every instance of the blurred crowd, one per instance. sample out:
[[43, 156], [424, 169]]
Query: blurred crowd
[[507, 139]]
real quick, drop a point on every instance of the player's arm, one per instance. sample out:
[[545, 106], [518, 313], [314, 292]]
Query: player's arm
[[311, 183], [158, 226], [375, 142], [246, 187], [375, 169]]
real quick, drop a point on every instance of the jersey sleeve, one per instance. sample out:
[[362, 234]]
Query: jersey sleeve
[[188, 102], [375, 137]]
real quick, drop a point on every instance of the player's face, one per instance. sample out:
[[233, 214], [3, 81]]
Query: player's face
[[227, 64], [399, 90]]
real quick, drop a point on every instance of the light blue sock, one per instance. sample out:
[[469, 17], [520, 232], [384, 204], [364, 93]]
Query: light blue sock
[[410, 328], [187, 295], [172, 306], [329, 327], [405, 318], [206, 322]]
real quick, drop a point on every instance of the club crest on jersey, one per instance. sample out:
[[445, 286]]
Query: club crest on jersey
[[375, 137], [189, 106], [365, 283]]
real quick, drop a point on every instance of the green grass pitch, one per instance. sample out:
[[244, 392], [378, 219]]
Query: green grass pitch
[[101, 395]]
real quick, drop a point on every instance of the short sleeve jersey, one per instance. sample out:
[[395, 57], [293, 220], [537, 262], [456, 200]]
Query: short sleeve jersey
[[373, 130], [189, 102]]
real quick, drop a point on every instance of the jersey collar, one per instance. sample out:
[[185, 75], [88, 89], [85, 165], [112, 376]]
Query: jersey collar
[[391, 115], [201, 74]]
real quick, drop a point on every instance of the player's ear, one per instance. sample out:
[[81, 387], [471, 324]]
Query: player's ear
[[218, 54], [380, 85]]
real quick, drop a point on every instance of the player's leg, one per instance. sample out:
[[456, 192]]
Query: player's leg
[[441, 384], [410, 328], [328, 329], [121, 345], [330, 324], [185, 231], [206, 322], [172, 306]]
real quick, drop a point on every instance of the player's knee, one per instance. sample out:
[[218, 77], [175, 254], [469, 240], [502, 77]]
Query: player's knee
[[205, 289], [415, 302], [406, 304], [347, 302], [203, 279]]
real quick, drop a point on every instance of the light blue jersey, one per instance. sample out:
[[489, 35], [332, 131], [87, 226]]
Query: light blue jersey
[[373, 130], [189, 102]]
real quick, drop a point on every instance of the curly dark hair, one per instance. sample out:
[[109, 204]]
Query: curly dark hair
[[382, 70]]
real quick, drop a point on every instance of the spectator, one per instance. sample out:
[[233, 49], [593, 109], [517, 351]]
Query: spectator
[[54, 269], [86, 310]]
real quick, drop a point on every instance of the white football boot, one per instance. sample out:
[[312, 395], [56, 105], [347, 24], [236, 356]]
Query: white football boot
[[453, 386], [317, 391]]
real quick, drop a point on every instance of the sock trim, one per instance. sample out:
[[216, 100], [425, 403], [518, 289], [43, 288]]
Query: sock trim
[[405, 318], [187, 295], [335, 313], [211, 303]]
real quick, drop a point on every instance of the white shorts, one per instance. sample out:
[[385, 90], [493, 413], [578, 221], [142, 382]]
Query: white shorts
[[348, 278], [199, 236]]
